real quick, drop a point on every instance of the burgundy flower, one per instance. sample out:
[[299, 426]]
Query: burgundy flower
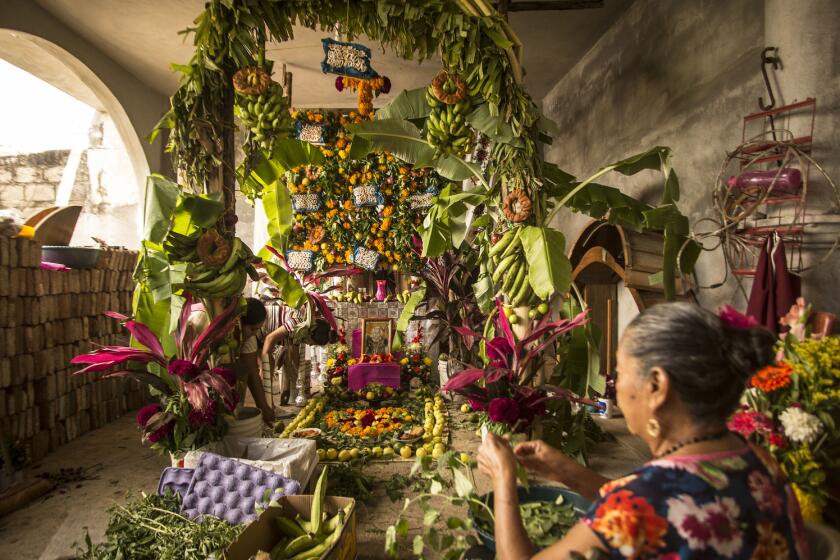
[[161, 432], [198, 418], [386, 85], [477, 406], [736, 319], [503, 410], [184, 369], [339, 83], [145, 413], [226, 374], [368, 419]]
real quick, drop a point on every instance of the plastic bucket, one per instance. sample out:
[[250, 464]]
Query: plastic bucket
[[248, 423]]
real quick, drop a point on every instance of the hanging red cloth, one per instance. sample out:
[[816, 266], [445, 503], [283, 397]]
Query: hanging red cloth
[[774, 288]]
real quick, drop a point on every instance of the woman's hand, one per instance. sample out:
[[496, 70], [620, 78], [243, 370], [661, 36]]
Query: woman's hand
[[543, 460], [496, 460]]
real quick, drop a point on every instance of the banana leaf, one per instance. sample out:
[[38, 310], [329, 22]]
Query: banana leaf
[[291, 292], [549, 269], [155, 315], [161, 199], [290, 153], [278, 210], [195, 211], [409, 105], [397, 136], [407, 313], [493, 126]]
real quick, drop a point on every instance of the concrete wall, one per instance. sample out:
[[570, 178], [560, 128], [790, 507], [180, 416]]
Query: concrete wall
[[29, 182], [683, 74]]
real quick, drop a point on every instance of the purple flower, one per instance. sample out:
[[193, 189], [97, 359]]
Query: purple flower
[[226, 374], [339, 83], [736, 319], [198, 418], [145, 413], [184, 369], [503, 410]]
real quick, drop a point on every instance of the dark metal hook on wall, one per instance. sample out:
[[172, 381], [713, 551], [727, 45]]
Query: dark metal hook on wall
[[766, 59]]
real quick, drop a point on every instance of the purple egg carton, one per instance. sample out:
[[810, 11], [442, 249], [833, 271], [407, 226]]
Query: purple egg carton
[[230, 490], [175, 480]]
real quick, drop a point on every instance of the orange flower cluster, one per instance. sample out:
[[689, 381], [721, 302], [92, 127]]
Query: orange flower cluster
[[772, 377], [366, 90], [365, 423]]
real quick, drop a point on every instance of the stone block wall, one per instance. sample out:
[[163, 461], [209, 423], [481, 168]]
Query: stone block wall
[[46, 318], [29, 182]]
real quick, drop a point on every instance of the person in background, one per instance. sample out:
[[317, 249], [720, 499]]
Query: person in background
[[681, 371], [252, 322]]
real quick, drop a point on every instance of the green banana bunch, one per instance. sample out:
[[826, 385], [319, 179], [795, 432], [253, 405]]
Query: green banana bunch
[[220, 282], [446, 128], [266, 116], [510, 270], [180, 247]]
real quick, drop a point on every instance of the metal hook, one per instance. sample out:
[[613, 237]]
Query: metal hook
[[776, 62]]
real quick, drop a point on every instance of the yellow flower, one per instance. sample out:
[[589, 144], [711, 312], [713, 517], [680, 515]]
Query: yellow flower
[[427, 360], [404, 362], [808, 504], [351, 362], [330, 362]]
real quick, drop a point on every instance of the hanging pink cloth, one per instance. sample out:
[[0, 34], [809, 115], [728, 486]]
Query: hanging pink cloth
[[774, 288]]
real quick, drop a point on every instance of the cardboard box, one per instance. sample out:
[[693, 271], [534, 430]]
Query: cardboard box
[[263, 533]]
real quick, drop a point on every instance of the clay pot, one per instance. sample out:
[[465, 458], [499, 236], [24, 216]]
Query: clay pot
[[822, 323]]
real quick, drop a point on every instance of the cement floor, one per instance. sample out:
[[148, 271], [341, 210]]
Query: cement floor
[[114, 462]]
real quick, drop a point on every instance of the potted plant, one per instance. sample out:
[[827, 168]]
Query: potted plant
[[194, 397]]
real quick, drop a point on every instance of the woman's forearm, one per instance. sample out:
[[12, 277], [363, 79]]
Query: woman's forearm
[[511, 539], [581, 479]]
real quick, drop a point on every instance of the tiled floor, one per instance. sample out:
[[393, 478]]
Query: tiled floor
[[113, 456]]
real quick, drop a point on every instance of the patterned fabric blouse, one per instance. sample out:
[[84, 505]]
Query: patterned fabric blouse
[[733, 504]]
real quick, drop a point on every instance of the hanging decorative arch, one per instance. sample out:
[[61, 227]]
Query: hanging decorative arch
[[604, 253], [472, 39]]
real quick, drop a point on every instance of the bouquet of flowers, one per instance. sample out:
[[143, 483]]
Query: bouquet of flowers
[[502, 388], [792, 409], [415, 365], [193, 395], [338, 361]]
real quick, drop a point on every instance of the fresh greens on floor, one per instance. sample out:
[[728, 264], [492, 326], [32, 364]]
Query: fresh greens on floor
[[149, 527]]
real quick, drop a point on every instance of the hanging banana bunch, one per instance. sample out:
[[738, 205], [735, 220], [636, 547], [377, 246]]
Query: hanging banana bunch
[[510, 269], [222, 266], [261, 106], [446, 128]]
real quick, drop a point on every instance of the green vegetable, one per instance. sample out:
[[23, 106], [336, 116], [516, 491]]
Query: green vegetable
[[318, 501], [289, 527]]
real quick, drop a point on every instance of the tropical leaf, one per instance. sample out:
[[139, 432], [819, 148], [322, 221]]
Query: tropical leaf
[[195, 211], [397, 136], [549, 269], [408, 105], [290, 153], [411, 305], [154, 314], [291, 292], [161, 199], [493, 126], [277, 205]]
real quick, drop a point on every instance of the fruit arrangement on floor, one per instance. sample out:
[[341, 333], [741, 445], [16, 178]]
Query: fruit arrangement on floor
[[399, 426]]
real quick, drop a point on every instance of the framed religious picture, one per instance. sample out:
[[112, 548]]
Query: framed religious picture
[[377, 335]]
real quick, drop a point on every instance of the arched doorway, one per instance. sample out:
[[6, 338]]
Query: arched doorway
[[112, 206], [615, 270]]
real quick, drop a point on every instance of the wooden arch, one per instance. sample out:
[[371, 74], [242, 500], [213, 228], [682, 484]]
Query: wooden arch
[[604, 255]]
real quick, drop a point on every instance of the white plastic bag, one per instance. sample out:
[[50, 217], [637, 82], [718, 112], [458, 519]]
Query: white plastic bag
[[291, 458]]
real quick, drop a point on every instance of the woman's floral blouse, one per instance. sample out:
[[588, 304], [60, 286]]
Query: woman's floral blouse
[[734, 504]]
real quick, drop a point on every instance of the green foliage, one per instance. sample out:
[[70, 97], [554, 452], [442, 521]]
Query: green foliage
[[549, 269], [150, 527]]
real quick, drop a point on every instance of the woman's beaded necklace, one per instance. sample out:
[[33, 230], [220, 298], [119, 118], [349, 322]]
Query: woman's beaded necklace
[[697, 439]]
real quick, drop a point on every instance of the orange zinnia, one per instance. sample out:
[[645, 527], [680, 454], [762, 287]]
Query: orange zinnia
[[772, 377]]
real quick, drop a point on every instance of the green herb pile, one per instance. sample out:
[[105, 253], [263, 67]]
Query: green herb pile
[[545, 522], [150, 527]]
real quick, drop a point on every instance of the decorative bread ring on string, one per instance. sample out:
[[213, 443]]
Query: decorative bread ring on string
[[449, 87], [212, 248], [251, 81], [317, 234], [517, 206]]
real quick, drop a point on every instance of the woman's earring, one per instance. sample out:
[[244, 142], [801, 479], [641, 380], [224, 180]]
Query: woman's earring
[[653, 428]]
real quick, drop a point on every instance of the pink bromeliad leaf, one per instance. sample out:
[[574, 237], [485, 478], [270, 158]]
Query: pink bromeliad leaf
[[499, 351], [115, 315], [141, 377], [464, 378], [145, 336], [183, 323], [197, 394], [220, 385], [470, 336], [103, 359], [558, 327], [215, 332]]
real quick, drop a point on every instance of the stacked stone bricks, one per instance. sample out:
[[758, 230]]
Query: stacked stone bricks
[[46, 318]]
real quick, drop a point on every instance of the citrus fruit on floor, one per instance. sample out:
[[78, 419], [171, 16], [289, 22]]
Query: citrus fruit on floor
[[421, 452], [332, 454], [344, 455], [437, 453], [377, 451], [465, 458], [405, 452], [321, 453], [465, 408], [354, 453], [370, 396], [387, 451]]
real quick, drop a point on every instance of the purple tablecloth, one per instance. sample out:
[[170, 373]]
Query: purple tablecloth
[[361, 374]]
